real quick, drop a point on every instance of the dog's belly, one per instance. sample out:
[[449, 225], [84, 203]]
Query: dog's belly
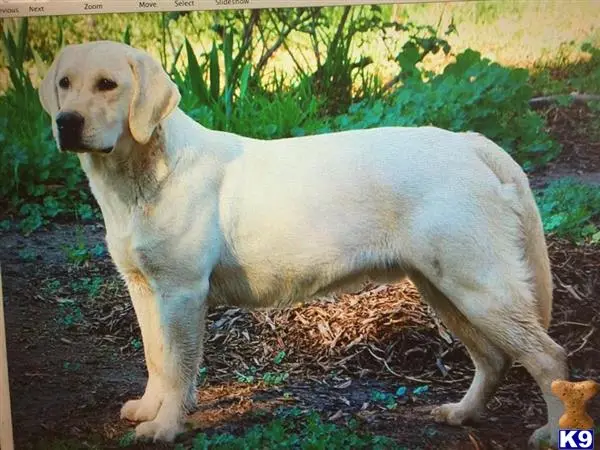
[[267, 286]]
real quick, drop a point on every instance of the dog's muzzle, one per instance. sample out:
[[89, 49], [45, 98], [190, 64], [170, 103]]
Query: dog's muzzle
[[70, 128], [70, 131]]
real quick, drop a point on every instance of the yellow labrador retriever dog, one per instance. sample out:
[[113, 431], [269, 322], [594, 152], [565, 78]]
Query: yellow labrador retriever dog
[[196, 217]]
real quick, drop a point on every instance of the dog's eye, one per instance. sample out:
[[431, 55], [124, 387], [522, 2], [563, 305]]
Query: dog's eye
[[106, 85], [64, 83]]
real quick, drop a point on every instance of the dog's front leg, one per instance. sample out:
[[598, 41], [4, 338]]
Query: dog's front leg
[[182, 311], [145, 305]]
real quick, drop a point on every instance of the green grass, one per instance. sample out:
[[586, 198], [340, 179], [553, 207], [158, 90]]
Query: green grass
[[561, 76]]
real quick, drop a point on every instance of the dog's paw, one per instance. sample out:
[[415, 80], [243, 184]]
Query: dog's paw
[[454, 414], [191, 400], [543, 437], [158, 431], [141, 410]]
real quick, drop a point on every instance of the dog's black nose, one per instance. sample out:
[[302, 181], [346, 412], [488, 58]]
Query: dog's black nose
[[70, 127], [69, 122]]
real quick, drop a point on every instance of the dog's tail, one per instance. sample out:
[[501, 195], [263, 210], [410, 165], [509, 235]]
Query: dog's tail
[[536, 252]]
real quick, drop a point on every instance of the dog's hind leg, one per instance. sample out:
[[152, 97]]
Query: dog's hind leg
[[498, 319], [518, 332], [491, 362]]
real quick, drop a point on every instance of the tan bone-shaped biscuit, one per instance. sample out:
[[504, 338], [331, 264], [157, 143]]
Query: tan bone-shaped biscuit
[[574, 396]]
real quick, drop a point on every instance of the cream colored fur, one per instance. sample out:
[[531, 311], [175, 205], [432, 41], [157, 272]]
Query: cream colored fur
[[197, 217]]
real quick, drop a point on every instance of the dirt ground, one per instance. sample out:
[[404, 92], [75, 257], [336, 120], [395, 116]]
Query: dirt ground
[[75, 356]]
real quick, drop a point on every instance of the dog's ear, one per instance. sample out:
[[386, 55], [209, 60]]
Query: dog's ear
[[47, 91], [154, 96]]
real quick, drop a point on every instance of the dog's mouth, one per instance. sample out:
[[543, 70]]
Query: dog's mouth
[[74, 142], [81, 148]]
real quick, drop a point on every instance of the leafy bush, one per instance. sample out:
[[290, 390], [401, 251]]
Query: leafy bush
[[471, 94], [571, 209], [37, 180]]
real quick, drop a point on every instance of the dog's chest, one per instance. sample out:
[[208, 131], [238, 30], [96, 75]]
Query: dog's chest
[[126, 238], [121, 248]]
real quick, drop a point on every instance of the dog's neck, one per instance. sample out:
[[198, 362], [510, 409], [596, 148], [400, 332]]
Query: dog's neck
[[133, 173]]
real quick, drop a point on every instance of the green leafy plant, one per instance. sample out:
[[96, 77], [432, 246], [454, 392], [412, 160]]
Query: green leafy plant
[[127, 439], [472, 94], [37, 181], [275, 379], [79, 253], [279, 357], [296, 432], [52, 286], [136, 344], [15, 49], [202, 375], [571, 209], [71, 366], [247, 378], [28, 254], [90, 286], [390, 401], [69, 314], [207, 96], [384, 398]]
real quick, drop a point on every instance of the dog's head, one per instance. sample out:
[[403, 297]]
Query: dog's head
[[100, 92]]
